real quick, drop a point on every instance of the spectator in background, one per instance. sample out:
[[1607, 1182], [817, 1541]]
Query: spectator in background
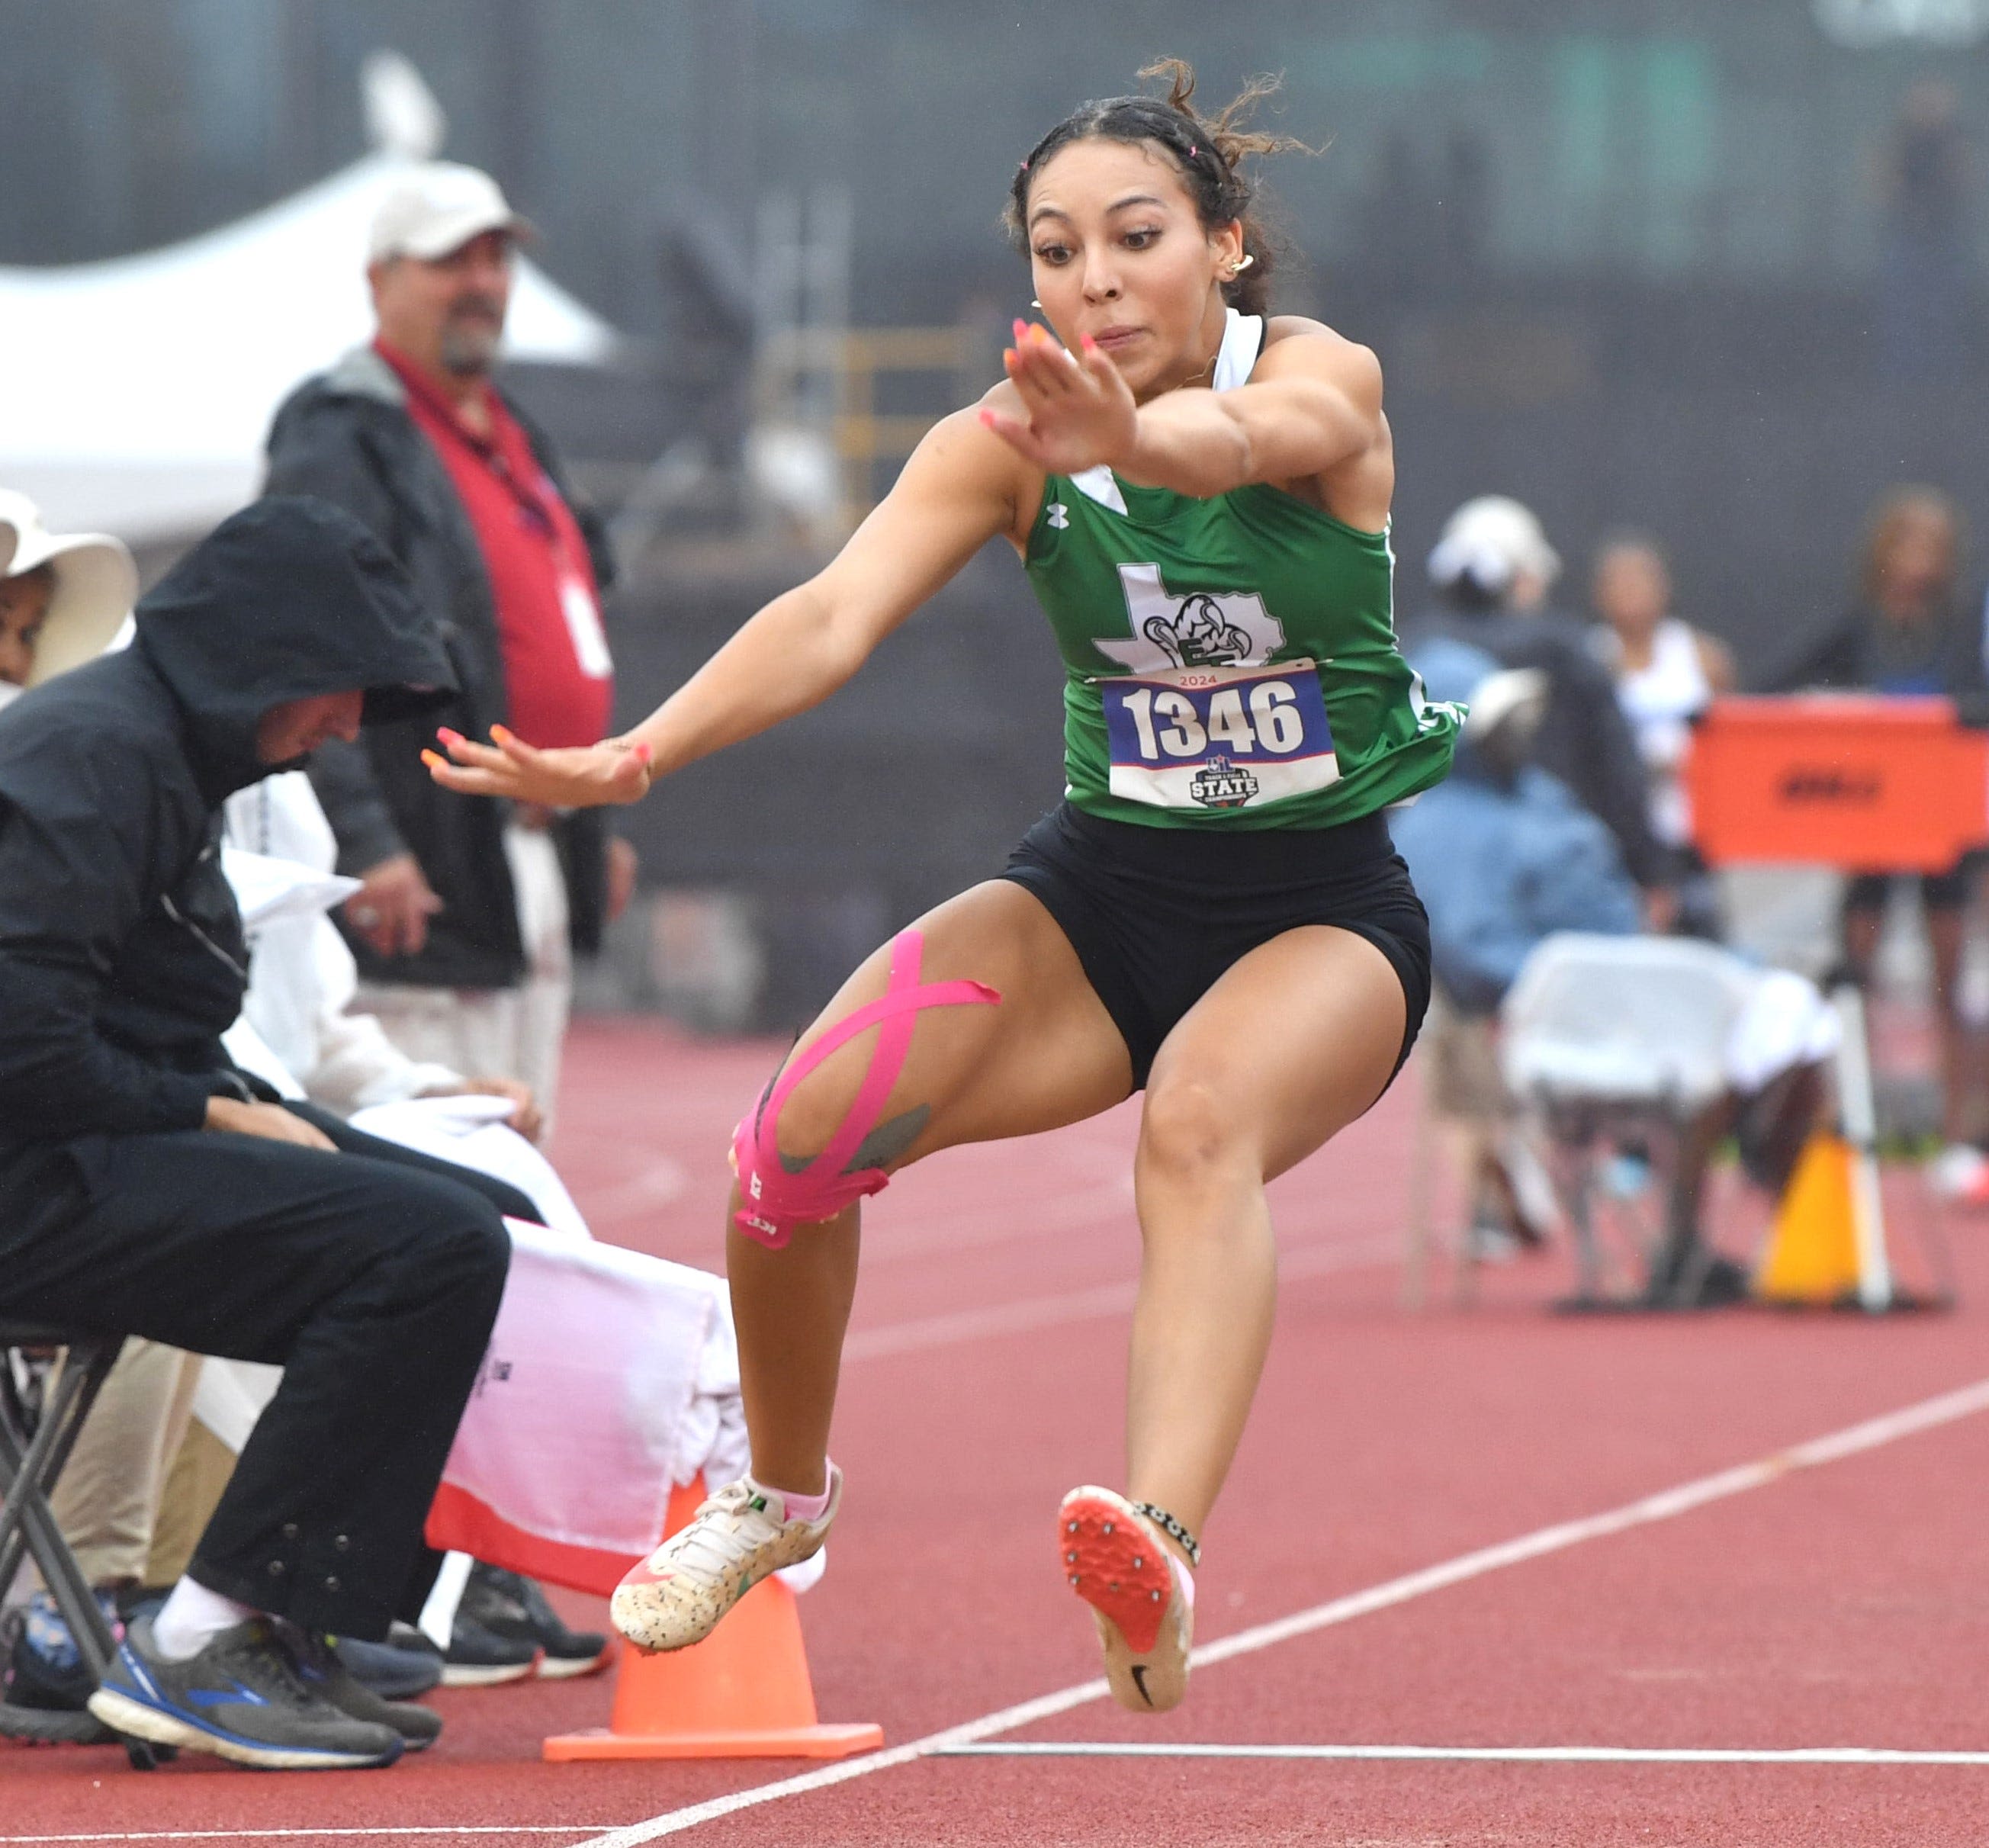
[[1503, 855], [1908, 630], [1666, 672], [464, 919], [1493, 571], [61, 595], [1923, 260]]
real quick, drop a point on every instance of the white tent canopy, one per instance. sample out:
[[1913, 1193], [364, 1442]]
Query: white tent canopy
[[135, 394]]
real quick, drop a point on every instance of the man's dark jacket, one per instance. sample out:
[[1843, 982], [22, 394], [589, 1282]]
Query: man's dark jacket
[[1583, 738], [347, 436], [122, 959]]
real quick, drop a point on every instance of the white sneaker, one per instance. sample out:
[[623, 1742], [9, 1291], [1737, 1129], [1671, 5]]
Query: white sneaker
[[1114, 1560], [675, 1597]]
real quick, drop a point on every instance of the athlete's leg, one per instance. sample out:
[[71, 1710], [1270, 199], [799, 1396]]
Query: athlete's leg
[[1048, 1055], [1294, 1042]]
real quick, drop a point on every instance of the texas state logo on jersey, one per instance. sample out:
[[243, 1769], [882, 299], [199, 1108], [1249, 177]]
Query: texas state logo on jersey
[[1201, 628], [1201, 719]]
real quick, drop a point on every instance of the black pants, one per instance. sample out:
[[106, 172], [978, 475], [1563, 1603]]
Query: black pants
[[372, 1276]]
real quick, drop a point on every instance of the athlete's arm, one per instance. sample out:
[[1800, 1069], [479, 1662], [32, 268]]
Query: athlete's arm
[[1311, 407], [960, 489]]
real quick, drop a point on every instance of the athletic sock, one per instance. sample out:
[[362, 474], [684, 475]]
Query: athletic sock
[[804, 1508], [190, 1618]]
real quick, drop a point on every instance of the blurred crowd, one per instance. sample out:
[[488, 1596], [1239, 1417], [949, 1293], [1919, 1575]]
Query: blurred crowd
[[1569, 809]]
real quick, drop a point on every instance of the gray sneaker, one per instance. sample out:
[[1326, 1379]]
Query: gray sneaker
[[243, 1697], [324, 1672]]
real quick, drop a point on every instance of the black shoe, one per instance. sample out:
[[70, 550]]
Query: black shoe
[[44, 1669], [324, 1671], [392, 1673], [243, 1698], [475, 1658], [511, 1606]]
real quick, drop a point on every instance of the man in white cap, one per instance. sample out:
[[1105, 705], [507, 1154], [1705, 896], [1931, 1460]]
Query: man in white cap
[[63, 595], [462, 925]]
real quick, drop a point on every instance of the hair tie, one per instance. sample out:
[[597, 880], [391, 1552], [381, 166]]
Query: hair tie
[[1193, 152]]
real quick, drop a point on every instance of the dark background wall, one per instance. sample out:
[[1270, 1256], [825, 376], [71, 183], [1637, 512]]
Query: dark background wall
[[1633, 260]]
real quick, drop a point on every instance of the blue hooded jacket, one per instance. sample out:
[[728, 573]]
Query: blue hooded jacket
[[1499, 864]]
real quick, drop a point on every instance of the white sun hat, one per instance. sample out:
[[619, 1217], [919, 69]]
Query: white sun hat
[[1519, 693], [96, 583]]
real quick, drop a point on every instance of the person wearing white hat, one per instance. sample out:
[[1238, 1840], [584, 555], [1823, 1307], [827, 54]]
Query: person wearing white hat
[[463, 921], [1497, 545], [1493, 572], [63, 596]]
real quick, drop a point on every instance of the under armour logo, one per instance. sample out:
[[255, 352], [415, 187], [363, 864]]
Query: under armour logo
[[1059, 515]]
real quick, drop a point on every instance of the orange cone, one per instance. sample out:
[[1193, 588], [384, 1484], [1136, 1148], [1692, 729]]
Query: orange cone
[[1812, 1254], [743, 1693]]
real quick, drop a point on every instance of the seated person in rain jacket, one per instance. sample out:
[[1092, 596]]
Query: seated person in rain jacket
[[1503, 855], [147, 1187]]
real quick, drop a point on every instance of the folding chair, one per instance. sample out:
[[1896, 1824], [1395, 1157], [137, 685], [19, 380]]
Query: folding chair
[[42, 1405], [1612, 1043]]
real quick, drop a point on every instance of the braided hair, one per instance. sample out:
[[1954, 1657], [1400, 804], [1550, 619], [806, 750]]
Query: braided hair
[[1208, 153]]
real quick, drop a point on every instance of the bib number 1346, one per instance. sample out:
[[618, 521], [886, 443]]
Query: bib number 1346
[[1219, 737]]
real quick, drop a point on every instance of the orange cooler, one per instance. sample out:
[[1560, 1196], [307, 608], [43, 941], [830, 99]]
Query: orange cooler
[[1869, 784]]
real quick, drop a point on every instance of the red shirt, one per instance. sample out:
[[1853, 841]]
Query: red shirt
[[558, 678]]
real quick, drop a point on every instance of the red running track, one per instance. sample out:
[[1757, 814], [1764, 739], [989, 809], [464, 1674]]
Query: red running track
[[1840, 1604]]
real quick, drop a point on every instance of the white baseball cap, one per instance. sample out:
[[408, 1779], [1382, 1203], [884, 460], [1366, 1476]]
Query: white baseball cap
[[96, 582], [438, 207], [1493, 540]]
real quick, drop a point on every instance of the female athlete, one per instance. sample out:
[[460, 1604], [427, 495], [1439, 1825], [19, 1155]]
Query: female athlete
[[1199, 495]]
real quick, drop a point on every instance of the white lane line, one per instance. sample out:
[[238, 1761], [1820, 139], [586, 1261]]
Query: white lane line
[[1666, 1505], [312, 1835], [1491, 1754], [1034, 1312]]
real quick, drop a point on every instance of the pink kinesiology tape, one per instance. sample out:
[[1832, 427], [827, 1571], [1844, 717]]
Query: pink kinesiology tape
[[777, 1201]]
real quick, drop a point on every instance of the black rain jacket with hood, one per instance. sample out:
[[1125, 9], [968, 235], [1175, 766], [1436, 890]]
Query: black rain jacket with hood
[[122, 959]]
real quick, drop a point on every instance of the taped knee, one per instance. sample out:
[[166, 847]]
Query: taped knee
[[777, 1198]]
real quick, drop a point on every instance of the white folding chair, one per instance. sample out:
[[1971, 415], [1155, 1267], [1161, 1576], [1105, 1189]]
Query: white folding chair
[[1616, 1042]]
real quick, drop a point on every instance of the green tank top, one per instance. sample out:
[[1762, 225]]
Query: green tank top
[[1228, 662]]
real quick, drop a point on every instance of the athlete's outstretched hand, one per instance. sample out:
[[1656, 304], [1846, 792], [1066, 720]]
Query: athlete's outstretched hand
[[586, 777], [1080, 412]]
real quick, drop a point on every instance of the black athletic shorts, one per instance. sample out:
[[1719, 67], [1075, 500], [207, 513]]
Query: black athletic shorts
[[1156, 915]]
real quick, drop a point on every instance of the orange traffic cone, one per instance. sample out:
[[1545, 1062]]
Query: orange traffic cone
[[743, 1693], [1812, 1254]]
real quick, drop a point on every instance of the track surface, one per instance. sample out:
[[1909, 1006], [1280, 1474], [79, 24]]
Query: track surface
[[1840, 1605]]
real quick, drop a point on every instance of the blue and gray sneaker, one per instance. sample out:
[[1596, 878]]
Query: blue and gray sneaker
[[243, 1697]]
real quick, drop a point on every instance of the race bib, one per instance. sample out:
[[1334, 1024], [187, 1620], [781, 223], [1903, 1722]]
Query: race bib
[[1219, 737]]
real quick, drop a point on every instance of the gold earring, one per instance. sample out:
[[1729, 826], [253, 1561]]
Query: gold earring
[[1237, 268]]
